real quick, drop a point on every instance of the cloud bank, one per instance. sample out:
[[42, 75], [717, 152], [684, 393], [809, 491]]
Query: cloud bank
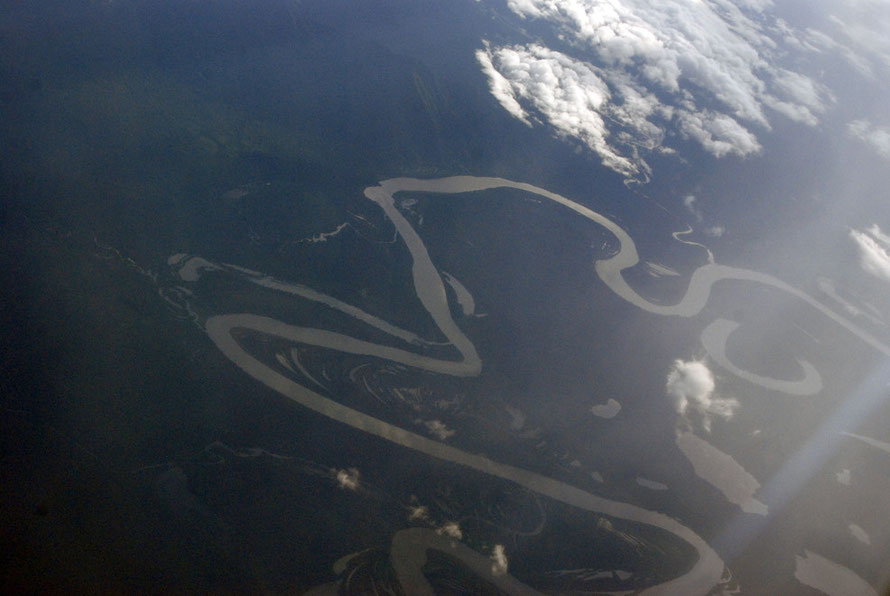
[[567, 93], [629, 75], [690, 387]]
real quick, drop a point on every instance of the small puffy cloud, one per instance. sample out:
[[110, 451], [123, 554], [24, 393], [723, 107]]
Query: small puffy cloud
[[607, 410], [348, 479], [715, 231], [437, 428], [452, 530], [498, 560], [418, 513], [878, 137], [873, 257], [690, 387], [689, 382]]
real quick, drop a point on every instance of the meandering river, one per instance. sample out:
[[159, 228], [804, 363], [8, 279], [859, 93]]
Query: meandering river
[[708, 569]]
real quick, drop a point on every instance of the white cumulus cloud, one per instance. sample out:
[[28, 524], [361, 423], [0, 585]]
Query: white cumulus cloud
[[690, 387], [500, 87], [718, 133], [348, 479], [498, 560], [452, 530]]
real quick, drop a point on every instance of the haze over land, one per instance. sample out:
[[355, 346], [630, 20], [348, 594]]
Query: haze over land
[[521, 296]]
